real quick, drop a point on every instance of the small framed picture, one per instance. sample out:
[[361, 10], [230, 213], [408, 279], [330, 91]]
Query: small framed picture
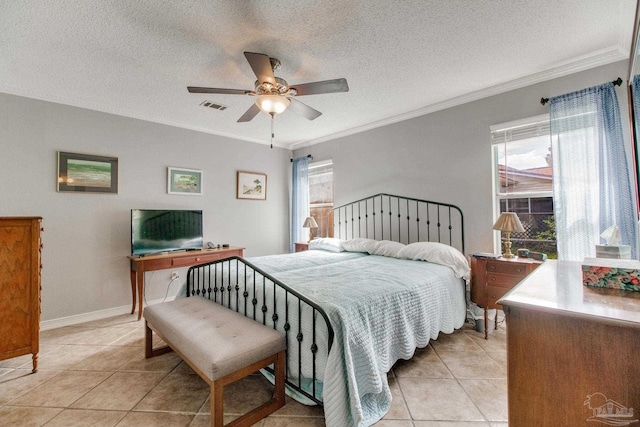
[[87, 173], [252, 186], [184, 181]]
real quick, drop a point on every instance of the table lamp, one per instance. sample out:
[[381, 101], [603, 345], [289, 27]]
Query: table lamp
[[508, 222], [310, 223]]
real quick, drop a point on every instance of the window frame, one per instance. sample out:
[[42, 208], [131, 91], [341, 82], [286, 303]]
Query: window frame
[[319, 232], [497, 194]]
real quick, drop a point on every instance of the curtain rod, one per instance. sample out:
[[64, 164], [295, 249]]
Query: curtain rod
[[308, 156], [616, 82]]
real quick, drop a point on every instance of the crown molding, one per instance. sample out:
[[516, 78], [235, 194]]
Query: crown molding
[[575, 65]]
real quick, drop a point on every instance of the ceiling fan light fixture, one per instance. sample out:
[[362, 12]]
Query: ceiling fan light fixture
[[273, 94], [272, 104]]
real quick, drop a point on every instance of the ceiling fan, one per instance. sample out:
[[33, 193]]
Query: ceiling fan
[[275, 95]]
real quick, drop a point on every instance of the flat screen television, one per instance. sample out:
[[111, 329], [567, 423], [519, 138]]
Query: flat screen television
[[156, 231]]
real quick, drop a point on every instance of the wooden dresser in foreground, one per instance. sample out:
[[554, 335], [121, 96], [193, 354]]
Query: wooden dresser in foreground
[[572, 351], [20, 250], [492, 278]]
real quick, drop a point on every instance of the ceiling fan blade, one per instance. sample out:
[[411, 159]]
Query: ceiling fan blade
[[326, 86], [303, 109], [261, 66], [193, 89], [249, 114]]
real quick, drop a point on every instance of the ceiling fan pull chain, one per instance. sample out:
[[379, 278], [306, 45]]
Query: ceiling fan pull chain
[[272, 133]]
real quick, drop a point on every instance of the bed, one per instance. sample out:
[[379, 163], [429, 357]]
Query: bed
[[391, 279]]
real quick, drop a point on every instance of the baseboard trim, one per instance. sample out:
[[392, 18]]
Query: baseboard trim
[[77, 319]]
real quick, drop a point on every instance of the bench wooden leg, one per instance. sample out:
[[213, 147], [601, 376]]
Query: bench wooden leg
[[149, 351], [262, 411], [217, 398], [217, 408], [279, 394]]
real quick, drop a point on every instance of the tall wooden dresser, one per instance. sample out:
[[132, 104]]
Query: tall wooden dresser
[[20, 266]]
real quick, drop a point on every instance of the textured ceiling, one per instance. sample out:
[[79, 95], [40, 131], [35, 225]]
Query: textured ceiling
[[401, 58]]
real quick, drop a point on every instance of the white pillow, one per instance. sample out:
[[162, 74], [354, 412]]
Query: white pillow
[[326, 244], [438, 253], [386, 248], [358, 244]]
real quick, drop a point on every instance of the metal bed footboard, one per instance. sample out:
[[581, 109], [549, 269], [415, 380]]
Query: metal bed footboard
[[240, 286]]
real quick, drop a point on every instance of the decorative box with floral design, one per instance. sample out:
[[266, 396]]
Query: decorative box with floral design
[[611, 273]]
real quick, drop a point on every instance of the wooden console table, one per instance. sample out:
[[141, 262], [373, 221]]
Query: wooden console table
[[142, 264], [572, 351]]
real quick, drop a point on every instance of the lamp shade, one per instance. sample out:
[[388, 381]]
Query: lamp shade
[[272, 104], [310, 222], [508, 222]]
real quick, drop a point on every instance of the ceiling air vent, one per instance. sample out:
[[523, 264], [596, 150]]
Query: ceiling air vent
[[213, 105]]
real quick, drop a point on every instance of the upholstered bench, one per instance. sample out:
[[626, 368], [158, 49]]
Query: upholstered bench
[[221, 345]]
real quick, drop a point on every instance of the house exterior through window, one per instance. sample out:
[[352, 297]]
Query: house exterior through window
[[321, 196], [523, 182]]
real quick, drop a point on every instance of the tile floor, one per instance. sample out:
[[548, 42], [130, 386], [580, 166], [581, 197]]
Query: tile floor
[[95, 374]]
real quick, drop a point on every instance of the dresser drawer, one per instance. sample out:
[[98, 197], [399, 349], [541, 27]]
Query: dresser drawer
[[503, 280], [201, 258], [513, 269], [193, 260], [494, 293]]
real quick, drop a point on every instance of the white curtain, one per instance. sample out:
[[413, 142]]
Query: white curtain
[[299, 201], [591, 181]]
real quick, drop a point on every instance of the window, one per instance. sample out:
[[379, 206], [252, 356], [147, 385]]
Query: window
[[523, 181], [321, 196]]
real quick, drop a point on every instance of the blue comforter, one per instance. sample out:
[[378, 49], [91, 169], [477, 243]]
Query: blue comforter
[[381, 309]]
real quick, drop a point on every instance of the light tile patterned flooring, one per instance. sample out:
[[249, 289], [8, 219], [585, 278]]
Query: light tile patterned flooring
[[95, 374]]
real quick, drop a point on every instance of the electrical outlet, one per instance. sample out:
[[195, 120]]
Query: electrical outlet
[[175, 275]]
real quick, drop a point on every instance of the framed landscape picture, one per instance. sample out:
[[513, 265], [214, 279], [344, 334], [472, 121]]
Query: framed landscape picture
[[184, 181], [252, 186], [87, 173]]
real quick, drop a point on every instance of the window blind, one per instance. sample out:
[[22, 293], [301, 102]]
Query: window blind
[[519, 130]]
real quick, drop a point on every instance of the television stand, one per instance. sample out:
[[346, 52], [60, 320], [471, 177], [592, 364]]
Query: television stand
[[142, 264]]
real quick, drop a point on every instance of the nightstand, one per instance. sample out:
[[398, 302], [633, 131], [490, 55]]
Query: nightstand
[[301, 247], [492, 278]]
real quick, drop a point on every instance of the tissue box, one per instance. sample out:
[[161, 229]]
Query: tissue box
[[611, 273], [613, 251]]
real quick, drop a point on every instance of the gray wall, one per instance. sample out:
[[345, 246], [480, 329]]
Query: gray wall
[[441, 156], [445, 156], [87, 236]]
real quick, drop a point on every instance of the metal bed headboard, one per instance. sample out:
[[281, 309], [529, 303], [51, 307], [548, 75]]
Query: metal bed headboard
[[401, 219]]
